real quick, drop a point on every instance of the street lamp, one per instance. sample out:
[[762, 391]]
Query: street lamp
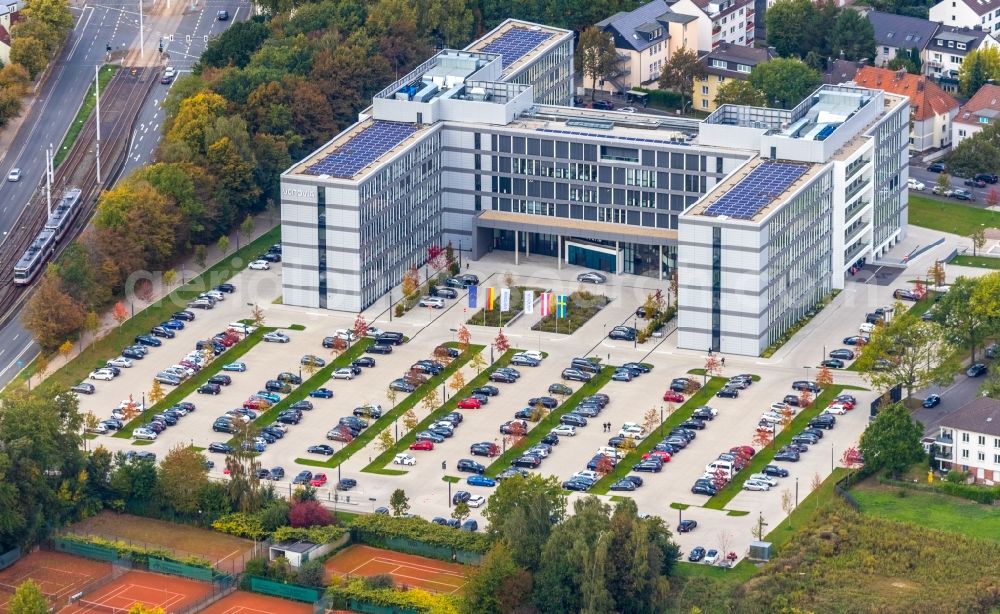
[[635, 338], [796, 492], [661, 420]]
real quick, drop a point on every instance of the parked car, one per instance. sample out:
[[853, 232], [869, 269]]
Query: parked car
[[932, 400], [728, 392], [976, 370], [591, 277], [687, 525], [576, 375], [936, 167], [235, 366]]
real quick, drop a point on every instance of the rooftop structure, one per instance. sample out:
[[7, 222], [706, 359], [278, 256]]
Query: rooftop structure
[[518, 43], [901, 31], [750, 195], [352, 152]]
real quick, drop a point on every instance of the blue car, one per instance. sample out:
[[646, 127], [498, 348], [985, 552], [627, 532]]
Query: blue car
[[270, 396], [622, 376], [173, 324], [235, 366], [932, 401], [321, 393], [480, 480]]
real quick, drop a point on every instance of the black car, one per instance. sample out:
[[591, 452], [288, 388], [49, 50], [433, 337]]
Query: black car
[[470, 466], [679, 384], [273, 385], [273, 432], [483, 449], [642, 367], [221, 379], [320, 449], [791, 399], [604, 105], [618, 334], [270, 257], [500, 376], [364, 361], [378, 348], [626, 485], [304, 477], [686, 526], [693, 424], [444, 292], [697, 553], [148, 340], [185, 315], [546, 402], [775, 471], [703, 413], [573, 420], [454, 417], [301, 405], [489, 391], [83, 388], [842, 354], [400, 385], [210, 389], [728, 392], [649, 465], [976, 370], [551, 439], [288, 418], [576, 375], [460, 496], [133, 354], [346, 484], [166, 418], [801, 385], [704, 489], [289, 378], [787, 455], [832, 363], [159, 331], [817, 433], [805, 438], [388, 338], [113, 424], [220, 448], [937, 167], [528, 461]]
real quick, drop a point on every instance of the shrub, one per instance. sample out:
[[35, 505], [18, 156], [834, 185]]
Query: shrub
[[382, 580], [137, 554], [376, 528], [316, 535], [312, 573], [414, 599], [309, 514], [956, 477], [241, 525], [400, 310]]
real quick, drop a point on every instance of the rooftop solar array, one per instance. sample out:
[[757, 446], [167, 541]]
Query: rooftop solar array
[[756, 190], [635, 139], [516, 43], [362, 149]]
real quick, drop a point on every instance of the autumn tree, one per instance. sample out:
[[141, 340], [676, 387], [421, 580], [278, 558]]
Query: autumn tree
[[805, 398], [464, 338], [430, 401], [339, 346], [223, 244], [825, 377], [977, 236], [156, 392], [993, 197], [182, 477], [131, 409], [91, 323], [246, 227], [457, 381], [605, 465], [52, 315], [477, 362], [712, 366], [392, 394], [851, 458], [119, 313], [501, 343], [651, 419], [763, 438], [680, 71], [399, 502], [360, 327], [309, 513], [66, 349], [385, 441], [411, 281], [595, 56], [936, 273], [257, 315], [410, 420]]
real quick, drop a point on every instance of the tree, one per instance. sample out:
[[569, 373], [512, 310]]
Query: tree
[[605, 465], [223, 244], [464, 338], [712, 367], [28, 599], [169, 277], [907, 351], [181, 476], [461, 511], [651, 419], [680, 71], [29, 52], [792, 27], [246, 228], [385, 441], [596, 56], [501, 343], [892, 440], [757, 531], [457, 381], [993, 197], [257, 315], [392, 395], [244, 487], [522, 512], [119, 313], [805, 398], [936, 274], [339, 346], [739, 92], [978, 238], [851, 458], [430, 400], [825, 377], [309, 513], [360, 327], [131, 409], [787, 504], [90, 324], [410, 420], [964, 325], [720, 478], [944, 181], [852, 35], [200, 255], [763, 438], [399, 502], [66, 349], [784, 81], [156, 392], [477, 362], [978, 67], [495, 585], [51, 314], [411, 281]]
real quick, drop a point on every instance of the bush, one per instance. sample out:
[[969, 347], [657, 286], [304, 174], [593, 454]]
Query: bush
[[137, 554], [312, 573], [382, 580], [956, 477], [400, 310], [241, 524], [309, 514], [316, 535], [414, 599], [376, 528]]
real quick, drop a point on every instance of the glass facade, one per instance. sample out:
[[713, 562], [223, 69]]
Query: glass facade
[[636, 258], [891, 156], [551, 75]]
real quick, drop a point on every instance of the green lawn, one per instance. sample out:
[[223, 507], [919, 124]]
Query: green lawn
[[387, 418], [189, 387], [950, 216], [495, 317], [449, 406], [86, 108], [682, 413], [981, 262], [930, 510], [97, 354], [550, 421], [765, 456]]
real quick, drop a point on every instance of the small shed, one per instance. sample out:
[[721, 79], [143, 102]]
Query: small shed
[[760, 551], [297, 552]]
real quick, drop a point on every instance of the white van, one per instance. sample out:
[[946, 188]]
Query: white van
[[240, 327], [632, 432], [725, 466]]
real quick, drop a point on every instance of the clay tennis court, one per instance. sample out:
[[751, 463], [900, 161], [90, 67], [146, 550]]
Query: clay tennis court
[[59, 575], [242, 602], [172, 593], [405, 569]]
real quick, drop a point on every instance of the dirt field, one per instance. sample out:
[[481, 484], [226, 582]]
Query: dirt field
[[242, 602], [226, 550], [171, 593], [406, 569], [59, 575]]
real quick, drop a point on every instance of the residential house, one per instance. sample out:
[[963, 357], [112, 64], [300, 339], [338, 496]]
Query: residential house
[[969, 440], [645, 39], [9, 14], [720, 21], [841, 71], [726, 62], [982, 110], [898, 34], [948, 47], [931, 109], [979, 14]]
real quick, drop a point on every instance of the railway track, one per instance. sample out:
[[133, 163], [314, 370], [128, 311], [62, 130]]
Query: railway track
[[121, 102]]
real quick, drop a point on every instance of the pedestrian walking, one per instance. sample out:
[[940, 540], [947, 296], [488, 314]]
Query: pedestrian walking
[[723, 361]]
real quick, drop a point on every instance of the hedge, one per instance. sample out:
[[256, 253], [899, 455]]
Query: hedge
[[241, 524], [979, 494], [418, 529], [415, 599], [136, 554], [656, 323], [316, 535]]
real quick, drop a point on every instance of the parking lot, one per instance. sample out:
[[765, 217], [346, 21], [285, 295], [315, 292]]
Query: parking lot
[[424, 482]]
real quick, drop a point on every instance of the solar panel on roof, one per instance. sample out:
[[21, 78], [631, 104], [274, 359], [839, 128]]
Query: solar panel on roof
[[516, 43], [362, 149], [756, 190]]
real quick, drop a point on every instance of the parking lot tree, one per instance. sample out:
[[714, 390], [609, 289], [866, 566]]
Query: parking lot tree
[[182, 475], [963, 321], [805, 400], [539, 412], [992, 197], [758, 530], [360, 326], [825, 377], [309, 513], [892, 441], [651, 419], [207, 353], [244, 488], [442, 355], [461, 511], [787, 504], [712, 367], [411, 281], [430, 401], [90, 420], [815, 484], [851, 458], [595, 56], [692, 386], [399, 502], [169, 277], [65, 349], [477, 362], [246, 228], [257, 315], [605, 465], [51, 314], [907, 351], [719, 479], [392, 395], [501, 344], [339, 346], [936, 274], [649, 307], [763, 438], [130, 409], [385, 441], [28, 599], [410, 420], [464, 338]]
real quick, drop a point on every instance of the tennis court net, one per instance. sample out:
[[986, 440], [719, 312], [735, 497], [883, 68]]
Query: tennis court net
[[93, 606]]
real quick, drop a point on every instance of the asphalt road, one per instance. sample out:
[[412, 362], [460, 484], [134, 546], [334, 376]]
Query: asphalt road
[[961, 391], [97, 26], [919, 172]]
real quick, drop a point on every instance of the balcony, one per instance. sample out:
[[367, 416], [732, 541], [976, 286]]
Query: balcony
[[854, 190], [854, 209], [854, 167], [852, 233], [851, 254]]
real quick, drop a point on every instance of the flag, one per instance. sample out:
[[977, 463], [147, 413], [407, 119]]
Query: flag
[[561, 306], [544, 303], [491, 296], [504, 299], [529, 301], [473, 296]]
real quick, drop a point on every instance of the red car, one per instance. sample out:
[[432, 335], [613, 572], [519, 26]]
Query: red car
[[673, 397], [318, 480], [422, 445], [256, 404], [664, 455], [747, 450], [469, 403]]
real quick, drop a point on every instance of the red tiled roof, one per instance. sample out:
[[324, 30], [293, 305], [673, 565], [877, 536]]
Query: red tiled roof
[[986, 103], [926, 98]]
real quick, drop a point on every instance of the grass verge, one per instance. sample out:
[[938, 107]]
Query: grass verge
[[682, 413], [86, 108], [98, 353], [446, 408], [979, 262], [550, 421], [376, 427], [580, 308], [753, 376], [316, 380], [950, 217], [192, 384], [765, 456]]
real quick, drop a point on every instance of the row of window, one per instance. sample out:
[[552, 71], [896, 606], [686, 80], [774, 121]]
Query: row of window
[[981, 457], [981, 440]]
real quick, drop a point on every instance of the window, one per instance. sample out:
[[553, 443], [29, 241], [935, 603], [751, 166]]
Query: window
[[704, 90], [996, 442], [743, 68], [885, 50], [719, 64], [965, 454], [996, 459], [981, 456], [961, 133], [721, 79], [704, 103], [984, 120], [965, 437], [951, 44], [961, 46], [982, 440]]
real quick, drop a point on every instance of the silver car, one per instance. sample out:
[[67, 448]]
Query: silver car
[[591, 277]]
